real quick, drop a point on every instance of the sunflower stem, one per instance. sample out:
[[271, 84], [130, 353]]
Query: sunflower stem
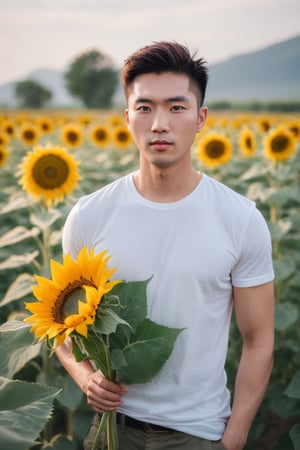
[[100, 430], [69, 424], [46, 253], [47, 361], [107, 432]]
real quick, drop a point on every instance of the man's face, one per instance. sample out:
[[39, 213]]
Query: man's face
[[163, 116]]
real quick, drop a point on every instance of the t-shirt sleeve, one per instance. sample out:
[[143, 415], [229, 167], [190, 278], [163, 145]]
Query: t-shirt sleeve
[[254, 266], [72, 241]]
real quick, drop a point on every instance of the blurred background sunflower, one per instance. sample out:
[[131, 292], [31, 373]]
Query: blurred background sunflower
[[100, 135], [214, 149], [3, 156], [247, 141], [4, 139], [121, 137], [29, 133], [45, 124], [72, 135], [279, 144], [9, 127]]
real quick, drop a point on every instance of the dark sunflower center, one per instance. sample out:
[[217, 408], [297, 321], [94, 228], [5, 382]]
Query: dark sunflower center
[[1, 156], [215, 149], [72, 136], [122, 136], [9, 130], [100, 135], [50, 172], [45, 126], [265, 125], [248, 142], [29, 135], [67, 301], [279, 144], [295, 130]]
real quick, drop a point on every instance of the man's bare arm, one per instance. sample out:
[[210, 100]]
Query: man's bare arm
[[254, 310]]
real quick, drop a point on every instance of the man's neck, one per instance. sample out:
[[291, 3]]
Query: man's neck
[[166, 185]]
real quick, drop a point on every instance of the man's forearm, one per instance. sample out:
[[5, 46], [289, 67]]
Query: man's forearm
[[79, 371], [250, 386]]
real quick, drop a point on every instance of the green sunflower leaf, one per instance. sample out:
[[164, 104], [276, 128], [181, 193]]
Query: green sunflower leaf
[[24, 411], [18, 260], [293, 389], [17, 347], [295, 436], [107, 321], [145, 355], [19, 288], [70, 394], [18, 234], [286, 314], [133, 301], [44, 219]]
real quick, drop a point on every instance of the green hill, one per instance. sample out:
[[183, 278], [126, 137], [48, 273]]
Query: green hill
[[272, 73]]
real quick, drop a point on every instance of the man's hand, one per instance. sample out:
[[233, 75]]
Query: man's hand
[[102, 394]]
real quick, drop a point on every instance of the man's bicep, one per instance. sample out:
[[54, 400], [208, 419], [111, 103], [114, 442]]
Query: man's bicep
[[254, 311]]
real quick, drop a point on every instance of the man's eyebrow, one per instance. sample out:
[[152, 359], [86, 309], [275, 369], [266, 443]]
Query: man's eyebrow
[[177, 98], [143, 100]]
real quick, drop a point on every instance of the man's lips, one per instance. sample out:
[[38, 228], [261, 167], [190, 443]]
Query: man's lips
[[160, 144]]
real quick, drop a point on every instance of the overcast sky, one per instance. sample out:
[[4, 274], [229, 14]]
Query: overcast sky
[[51, 33]]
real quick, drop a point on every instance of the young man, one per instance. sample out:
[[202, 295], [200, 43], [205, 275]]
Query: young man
[[206, 248]]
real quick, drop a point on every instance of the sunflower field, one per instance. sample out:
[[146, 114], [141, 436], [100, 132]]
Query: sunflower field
[[51, 158]]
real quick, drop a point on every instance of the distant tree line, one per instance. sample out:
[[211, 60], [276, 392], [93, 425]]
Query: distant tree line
[[91, 77], [287, 106]]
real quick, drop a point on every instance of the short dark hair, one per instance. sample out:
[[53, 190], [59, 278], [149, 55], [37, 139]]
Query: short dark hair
[[161, 57]]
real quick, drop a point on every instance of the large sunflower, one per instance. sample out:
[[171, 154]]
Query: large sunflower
[[214, 149], [121, 136], [49, 173], [247, 141], [100, 135], [68, 302], [29, 133], [72, 135], [279, 144]]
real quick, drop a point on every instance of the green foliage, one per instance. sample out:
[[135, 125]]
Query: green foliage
[[24, 411], [92, 78], [32, 94], [287, 106], [17, 347]]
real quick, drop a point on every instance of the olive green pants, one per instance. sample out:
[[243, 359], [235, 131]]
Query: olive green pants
[[134, 439]]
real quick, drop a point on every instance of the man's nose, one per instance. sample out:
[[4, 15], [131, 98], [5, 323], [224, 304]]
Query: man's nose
[[160, 122]]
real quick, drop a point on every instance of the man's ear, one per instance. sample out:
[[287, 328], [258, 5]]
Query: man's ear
[[202, 117], [127, 118]]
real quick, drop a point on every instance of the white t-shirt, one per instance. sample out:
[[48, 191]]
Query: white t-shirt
[[194, 249]]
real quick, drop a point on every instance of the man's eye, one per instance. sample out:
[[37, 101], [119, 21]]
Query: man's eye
[[143, 108], [177, 108]]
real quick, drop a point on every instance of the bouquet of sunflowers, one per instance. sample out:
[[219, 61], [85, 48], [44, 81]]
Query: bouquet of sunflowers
[[106, 322]]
